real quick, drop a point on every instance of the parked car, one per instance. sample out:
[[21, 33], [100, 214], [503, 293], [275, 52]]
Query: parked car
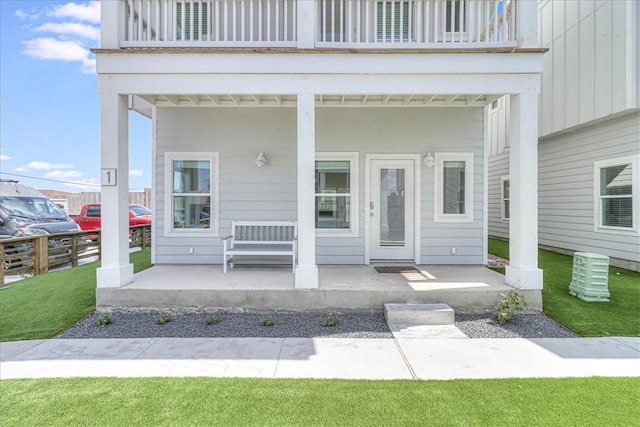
[[90, 217], [24, 211]]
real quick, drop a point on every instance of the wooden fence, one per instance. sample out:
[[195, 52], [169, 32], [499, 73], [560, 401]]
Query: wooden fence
[[37, 254]]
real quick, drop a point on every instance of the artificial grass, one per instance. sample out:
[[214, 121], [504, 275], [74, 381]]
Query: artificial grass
[[618, 317], [245, 402], [42, 306]]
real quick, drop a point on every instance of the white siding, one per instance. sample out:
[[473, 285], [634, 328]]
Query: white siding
[[588, 72], [248, 192], [566, 187], [498, 167]]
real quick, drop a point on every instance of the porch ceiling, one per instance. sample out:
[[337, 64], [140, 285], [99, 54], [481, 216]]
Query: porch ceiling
[[339, 100]]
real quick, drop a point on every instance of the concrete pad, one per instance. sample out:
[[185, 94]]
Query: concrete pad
[[427, 331], [220, 357], [419, 314], [518, 358], [341, 358], [630, 341], [11, 349], [88, 349]]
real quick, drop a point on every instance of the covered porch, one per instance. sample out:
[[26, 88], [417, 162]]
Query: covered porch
[[354, 287]]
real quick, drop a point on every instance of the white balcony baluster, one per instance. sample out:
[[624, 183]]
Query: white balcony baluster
[[338, 23]]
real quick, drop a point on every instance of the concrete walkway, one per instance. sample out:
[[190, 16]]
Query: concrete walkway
[[399, 358]]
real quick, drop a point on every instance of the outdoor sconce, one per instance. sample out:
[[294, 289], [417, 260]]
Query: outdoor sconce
[[260, 160], [429, 161]]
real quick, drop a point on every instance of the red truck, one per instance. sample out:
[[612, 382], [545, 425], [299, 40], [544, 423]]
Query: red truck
[[89, 218]]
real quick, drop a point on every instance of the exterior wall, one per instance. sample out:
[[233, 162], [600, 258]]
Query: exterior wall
[[269, 193], [498, 167], [566, 187], [591, 69]]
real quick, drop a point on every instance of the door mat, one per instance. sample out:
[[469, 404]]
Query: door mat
[[395, 269]]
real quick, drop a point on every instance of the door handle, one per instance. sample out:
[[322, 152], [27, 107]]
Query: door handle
[[371, 206]]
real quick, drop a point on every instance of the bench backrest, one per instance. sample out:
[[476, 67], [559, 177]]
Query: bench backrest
[[264, 231]]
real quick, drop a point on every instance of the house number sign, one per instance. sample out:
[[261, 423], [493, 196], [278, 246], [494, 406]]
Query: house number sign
[[109, 176]]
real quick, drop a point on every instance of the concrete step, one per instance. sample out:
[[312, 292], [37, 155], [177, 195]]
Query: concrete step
[[419, 314]]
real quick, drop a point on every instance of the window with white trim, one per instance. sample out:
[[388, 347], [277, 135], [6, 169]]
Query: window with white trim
[[336, 194], [616, 193], [506, 212], [191, 194], [453, 187], [455, 16]]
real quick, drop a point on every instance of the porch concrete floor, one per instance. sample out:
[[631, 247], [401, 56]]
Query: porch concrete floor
[[465, 288]]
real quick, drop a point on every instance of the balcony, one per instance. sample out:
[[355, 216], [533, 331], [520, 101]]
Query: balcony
[[331, 24]]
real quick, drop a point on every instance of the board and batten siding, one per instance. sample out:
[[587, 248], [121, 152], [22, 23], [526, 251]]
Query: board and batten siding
[[592, 69], [270, 193]]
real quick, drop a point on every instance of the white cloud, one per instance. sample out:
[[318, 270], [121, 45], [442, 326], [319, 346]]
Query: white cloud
[[43, 166], [89, 12], [62, 175], [71, 28], [26, 16], [136, 172], [4, 157], [63, 50]]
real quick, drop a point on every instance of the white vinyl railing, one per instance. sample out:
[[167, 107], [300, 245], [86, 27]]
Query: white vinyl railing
[[329, 24], [415, 23], [223, 23]]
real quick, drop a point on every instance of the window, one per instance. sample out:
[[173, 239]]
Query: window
[[453, 187], [93, 211], [393, 20], [506, 214], [616, 194], [191, 20], [191, 193], [455, 16], [336, 183]]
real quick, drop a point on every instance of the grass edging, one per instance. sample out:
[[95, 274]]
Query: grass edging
[[618, 317], [42, 306]]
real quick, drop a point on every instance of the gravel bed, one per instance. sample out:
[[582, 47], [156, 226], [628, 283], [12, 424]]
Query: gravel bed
[[138, 323]]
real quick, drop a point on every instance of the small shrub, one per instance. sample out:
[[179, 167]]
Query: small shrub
[[331, 320], [104, 320], [510, 304], [267, 321], [212, 319], [163, 318]]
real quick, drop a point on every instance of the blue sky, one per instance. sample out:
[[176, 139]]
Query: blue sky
[[49, 105]]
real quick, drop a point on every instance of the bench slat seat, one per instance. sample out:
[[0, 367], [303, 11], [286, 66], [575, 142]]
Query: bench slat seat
[[260, 238]]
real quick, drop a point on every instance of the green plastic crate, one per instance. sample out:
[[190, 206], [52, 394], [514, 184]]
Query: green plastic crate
[[590, 278]]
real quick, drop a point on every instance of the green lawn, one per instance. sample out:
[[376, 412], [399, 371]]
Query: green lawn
[[243, 402], [42, 306], [619, 317]]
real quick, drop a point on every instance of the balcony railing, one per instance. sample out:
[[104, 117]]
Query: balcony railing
[[318, 23], [415, 23], [222, 23]]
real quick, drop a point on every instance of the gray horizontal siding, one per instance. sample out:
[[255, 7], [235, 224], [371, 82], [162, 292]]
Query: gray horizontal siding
[[498, 167], [566, 188], [270, 193]]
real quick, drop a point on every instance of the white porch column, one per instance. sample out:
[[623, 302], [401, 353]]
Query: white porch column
[[306, 271], [306, 24], [116, 270], [111, 23], [527, 23], [523, 271]]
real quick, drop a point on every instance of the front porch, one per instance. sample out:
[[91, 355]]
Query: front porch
[[464, 288]]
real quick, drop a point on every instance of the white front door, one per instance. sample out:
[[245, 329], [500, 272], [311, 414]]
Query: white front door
[[391, 209]]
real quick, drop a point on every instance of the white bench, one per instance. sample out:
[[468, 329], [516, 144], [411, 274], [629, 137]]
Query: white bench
[[261, 238]]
